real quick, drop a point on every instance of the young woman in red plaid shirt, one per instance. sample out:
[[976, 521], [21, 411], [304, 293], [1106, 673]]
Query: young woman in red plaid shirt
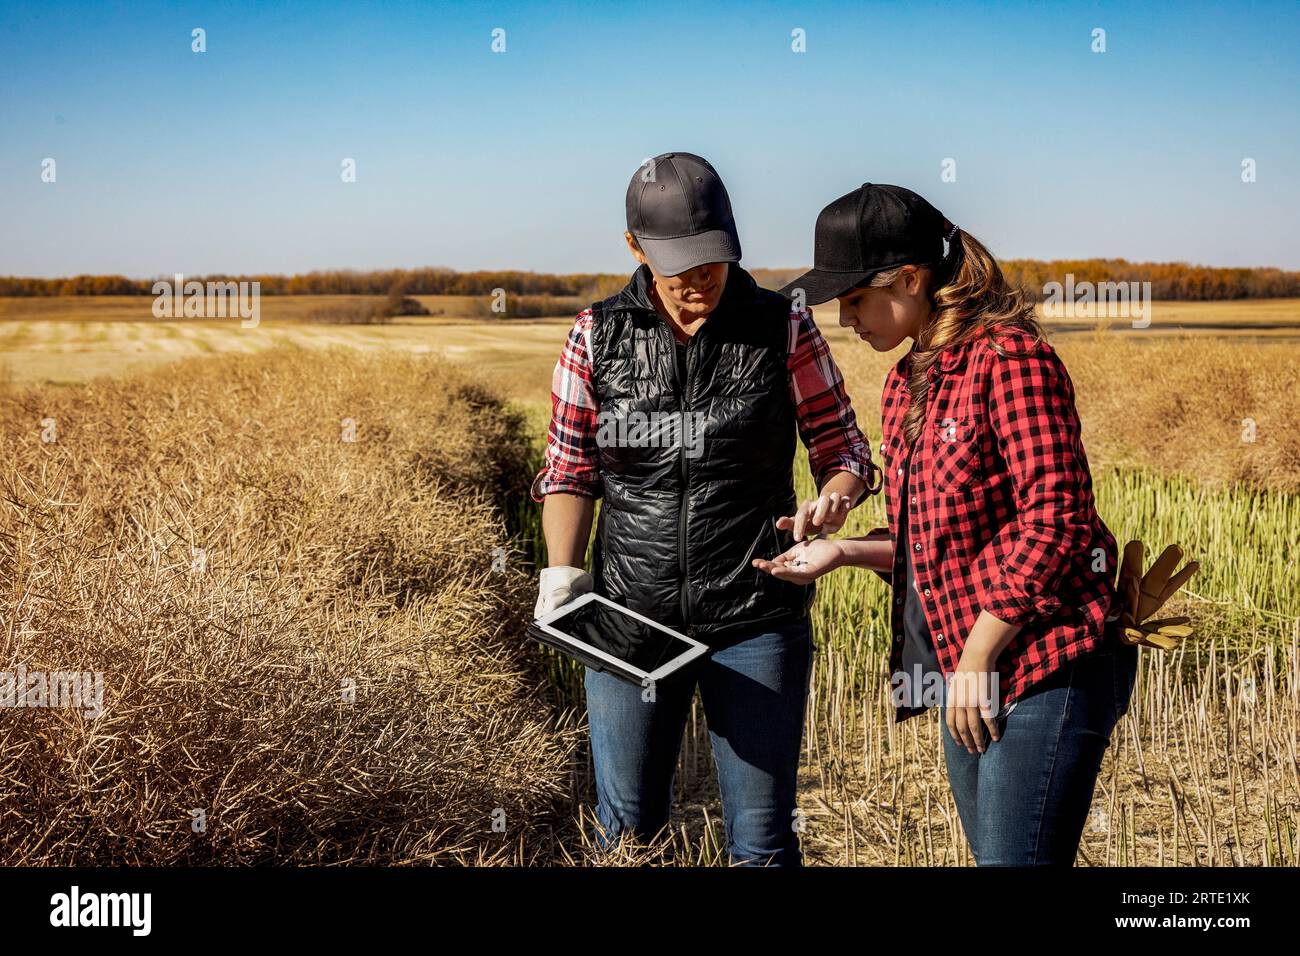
[[1002, 572]]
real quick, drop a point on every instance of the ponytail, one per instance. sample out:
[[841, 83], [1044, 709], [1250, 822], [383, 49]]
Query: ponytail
[[969, 298]]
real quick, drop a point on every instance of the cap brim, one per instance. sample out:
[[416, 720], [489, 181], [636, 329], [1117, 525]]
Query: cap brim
[[819, 286], [670, 257]]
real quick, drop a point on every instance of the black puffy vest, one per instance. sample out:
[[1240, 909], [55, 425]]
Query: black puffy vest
[[679, 525]]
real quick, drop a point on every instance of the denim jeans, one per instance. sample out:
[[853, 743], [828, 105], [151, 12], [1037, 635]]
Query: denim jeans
[[754, 691], [1025, 800]]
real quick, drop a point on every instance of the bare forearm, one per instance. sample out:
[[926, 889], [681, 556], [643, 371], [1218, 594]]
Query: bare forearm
[[989, 637], [566, 525], [847, 484], [869, 551]]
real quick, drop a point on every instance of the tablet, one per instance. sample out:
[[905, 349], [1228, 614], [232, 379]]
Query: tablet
[[609, 637]]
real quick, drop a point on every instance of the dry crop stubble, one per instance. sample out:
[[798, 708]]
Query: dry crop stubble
[[304, 641], [315, 543], [1203, 770]]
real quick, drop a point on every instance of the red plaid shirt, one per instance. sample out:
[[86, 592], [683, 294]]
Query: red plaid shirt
[[1001, 515], [826, 420]]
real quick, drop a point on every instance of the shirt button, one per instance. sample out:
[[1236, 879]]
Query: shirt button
[[917, 546], [940, 638], [898, 638], [913, 499], [898, 600], [927, 592], [900, 471]]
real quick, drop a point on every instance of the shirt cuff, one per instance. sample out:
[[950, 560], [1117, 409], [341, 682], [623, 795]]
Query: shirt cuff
[[858, 467], [543, 486], [1016, 606]]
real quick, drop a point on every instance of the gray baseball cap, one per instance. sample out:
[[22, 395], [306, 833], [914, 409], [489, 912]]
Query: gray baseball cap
[[680, 213]]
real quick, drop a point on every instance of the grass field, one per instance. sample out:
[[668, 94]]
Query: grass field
[[68, 352], [1203, 770], [283, 565], [1245, 315], [71, 339], [1194, 389]]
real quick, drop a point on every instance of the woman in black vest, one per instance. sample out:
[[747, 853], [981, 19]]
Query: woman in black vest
[[693, 340]]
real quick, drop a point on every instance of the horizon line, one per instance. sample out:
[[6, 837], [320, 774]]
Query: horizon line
[[536, 272]]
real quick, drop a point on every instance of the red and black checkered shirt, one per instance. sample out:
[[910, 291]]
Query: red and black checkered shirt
[[827, 424], [1001, 515]]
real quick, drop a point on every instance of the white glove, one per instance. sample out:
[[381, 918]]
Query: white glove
[[559, 586]]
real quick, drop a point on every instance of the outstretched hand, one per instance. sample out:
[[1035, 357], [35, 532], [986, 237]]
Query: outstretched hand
[[805, 562]]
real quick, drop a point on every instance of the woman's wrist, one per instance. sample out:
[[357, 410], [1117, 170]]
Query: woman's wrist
[[975, 657], [987, 639]]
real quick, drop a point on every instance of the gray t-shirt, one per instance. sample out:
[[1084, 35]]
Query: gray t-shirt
[[918, 645]]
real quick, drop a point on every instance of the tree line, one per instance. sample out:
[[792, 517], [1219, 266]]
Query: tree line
[[1169, 280]]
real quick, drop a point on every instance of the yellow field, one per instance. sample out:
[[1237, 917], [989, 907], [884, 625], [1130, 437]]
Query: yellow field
[[241, 457], [139, 308], [300, 625], [71, 339], [62, 351], [1188, 386]]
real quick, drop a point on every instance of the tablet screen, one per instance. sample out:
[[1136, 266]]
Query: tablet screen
[[617, 632]]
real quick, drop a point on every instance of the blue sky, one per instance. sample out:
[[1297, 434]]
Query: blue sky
[[171, 161]]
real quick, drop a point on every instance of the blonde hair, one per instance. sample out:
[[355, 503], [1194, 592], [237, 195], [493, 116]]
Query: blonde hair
[[969, 298]]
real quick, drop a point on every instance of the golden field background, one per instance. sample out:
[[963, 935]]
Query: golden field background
[[305, 639], [1194, 382], [374, 560]]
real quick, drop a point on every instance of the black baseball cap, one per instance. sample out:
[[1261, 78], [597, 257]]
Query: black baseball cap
[[680, 214], [871, 230]]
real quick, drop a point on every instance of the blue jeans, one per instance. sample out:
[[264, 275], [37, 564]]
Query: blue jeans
[[1025, 800], [754, 691]]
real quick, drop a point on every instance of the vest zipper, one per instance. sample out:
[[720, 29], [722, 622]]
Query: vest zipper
[[684, 400]]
